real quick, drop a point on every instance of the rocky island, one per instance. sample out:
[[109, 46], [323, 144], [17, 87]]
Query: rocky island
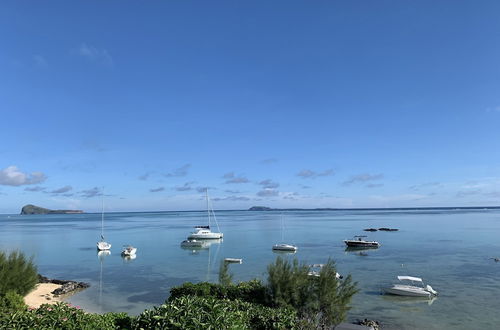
[[33, 209]]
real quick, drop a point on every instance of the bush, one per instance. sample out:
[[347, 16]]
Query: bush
[[323, 300], [199, 312], [252, 291], [225, 277], [17, 273], [11, 302], [63, 316]]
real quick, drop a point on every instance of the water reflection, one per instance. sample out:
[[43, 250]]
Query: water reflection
[[409, 300], [282, 252], [196, 245]]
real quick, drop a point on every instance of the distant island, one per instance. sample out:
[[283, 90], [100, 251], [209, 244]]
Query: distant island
[[33, 209], [265, 208]]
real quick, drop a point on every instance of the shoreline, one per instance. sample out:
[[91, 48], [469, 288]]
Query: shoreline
[[42, 294]]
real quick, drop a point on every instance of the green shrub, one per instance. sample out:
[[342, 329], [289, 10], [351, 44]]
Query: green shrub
[[63, 316], [17, 273], [11, 302], [323, 300], [252, 291], [199, 312]]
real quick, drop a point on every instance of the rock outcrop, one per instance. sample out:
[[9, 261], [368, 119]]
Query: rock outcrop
[[67, 286]]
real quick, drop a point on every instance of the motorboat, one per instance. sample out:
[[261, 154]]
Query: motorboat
[[129, 250], [315, 269], [233, 260], [204, 232], [360, 242], [285, 247], [411, 290]]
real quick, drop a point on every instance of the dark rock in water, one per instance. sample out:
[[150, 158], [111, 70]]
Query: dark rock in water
[[369, 323], [388, 229], [67, 286], [33, 209], [370, 229]]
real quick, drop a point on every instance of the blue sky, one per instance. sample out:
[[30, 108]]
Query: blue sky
[[275, 103]]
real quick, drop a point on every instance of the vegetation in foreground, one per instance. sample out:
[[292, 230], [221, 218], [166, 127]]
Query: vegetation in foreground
[[291, 299]]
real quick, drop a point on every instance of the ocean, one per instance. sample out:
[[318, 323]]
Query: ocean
[[450, 249]]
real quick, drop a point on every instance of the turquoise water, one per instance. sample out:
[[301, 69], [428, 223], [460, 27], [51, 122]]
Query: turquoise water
[[449, 249]]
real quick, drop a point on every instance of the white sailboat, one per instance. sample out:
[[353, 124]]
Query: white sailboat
[[284, 246], [204, 232], [102, 245]]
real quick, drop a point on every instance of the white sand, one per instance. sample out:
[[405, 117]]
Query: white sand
[[41, 294]]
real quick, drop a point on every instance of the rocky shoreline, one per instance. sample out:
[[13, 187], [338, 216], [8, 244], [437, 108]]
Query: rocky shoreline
[[66, 286]]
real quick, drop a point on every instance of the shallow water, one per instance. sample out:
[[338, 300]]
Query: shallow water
[[449, 249]]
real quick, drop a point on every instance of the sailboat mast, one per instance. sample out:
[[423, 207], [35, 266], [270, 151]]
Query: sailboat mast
[[102, 214], [208, 206]]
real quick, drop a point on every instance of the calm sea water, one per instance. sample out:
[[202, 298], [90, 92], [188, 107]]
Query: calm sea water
[[449, 249]]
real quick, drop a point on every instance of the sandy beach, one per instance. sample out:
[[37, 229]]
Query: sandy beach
[[42, 295]]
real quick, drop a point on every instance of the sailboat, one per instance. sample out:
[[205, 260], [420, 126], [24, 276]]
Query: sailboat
[[204, 232], [102, 245], [284, 246]]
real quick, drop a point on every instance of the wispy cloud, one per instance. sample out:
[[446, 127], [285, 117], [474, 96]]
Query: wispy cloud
[[185, 187], [232, 178], [374, 185], [269, 184], [425, 185], [229, 191], [61, 190], [12, 176], [157, 189], [202, 189], [269, 161], [303, 186], [493, 109], [36, 188], [362, 178], [89, 193], [232, 198], [310, 174], [145, 176], [268, 193], [40, 62], [94, 54], [179, 172]]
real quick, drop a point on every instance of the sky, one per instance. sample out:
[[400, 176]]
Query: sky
[[342, 104]]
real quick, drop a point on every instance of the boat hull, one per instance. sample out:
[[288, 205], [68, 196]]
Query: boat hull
[[361, 244], [408, 292], [103, 246], [205, 236], [284, 247]]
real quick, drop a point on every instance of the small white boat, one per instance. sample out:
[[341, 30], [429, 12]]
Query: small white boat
[[129, 250], [285, 247], [314, 270], [204, 232], [411, 290], [233, 260], [359, 242]]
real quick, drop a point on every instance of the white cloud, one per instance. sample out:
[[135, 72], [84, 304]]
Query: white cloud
[[95, 54], [363, 178], [310, 174], [12, 176]]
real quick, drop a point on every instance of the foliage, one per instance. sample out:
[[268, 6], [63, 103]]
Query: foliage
[[225, 278], [323, 300], [17, 273], [12, 301], [62, 316], [252, 291], [200, 312]]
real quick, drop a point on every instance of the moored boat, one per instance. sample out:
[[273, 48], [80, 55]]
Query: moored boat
[[360, 242], [411, 290]]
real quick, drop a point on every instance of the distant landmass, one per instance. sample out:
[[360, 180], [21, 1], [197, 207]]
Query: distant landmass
[[265, 208], [33, 209]]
